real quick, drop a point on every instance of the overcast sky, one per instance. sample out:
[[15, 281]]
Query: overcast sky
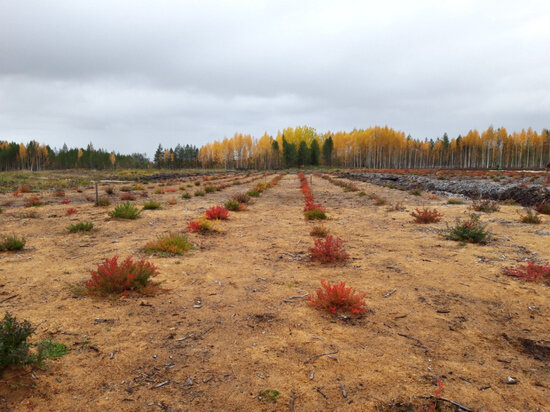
[[128, 75]]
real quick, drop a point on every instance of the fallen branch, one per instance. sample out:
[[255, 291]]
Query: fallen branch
[[459, 406], [292, 400], [8, 298], [319, 355], [391, 292]]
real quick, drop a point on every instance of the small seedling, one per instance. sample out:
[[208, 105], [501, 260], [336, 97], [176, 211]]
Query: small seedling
[[426, 216], [319, 231], [268, 395], [471, 230], [329, 249]]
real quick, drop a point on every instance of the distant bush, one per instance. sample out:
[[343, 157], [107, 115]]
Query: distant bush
[[80, 227], [378, 201], [396, 207], [455, 201], [125, 189], [209, 189], [487, 206], [171, 244], [109, 190], [159, 191], [217, 213], [471, 230], [233, 205], [426, 215], [253, 193], [128, 196], [200, 225], [241, 198], [172, 202], [65, 201], [531, 217], [531, 272], [319, 231], [71, 211], [197, 183], [328, 250], [151, 205], [338, 298], [543, 208], [171, 190], [110, 277], [33, 201], [199, 193], [8, 243], [59, 193], [103, 201], [186, 196], [125, 211], [415, 192], [315, 214]]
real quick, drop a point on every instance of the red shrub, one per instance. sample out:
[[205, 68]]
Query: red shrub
[[531, 272], [33, 201], [128, 196], [7, 203], [313, 206], [426, 215], [171, 190], [328, 250], [217, 213], [65, 201], [71, 211], [338, 298], [112, 277]]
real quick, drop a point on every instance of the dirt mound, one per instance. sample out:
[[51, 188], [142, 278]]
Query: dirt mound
[[523, 193]]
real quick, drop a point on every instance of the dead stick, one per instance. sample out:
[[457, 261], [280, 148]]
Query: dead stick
[[391, 292], [459, 406], [292, 400], [318, 356], [8, 298], [494, 280]]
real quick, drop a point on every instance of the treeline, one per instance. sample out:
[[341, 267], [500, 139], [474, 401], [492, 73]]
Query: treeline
[[375, 147], [381, 147], [178, 158], [33, 156]]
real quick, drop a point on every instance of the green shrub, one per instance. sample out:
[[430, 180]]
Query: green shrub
[[80, 227], [169, 245], [455, 201], [151, 205], [49, 349], [186, 196], [209, 189], [125, 211], [12, 243], [241, 198], [253, 193], [232, 205], [199, 193], [415, 192], [14, 348], [471, 230], [315, 214], [197, 183]]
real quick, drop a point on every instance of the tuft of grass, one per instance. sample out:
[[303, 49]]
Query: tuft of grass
[[242, 198], [531, 217], [151, 205], [210, 189], [487, 206], [103, 201], [80, 227], [199, 193], [455, 201], [172, 244], [378, 201], [361, 193], [253, 193], [415, 192], [125, 211], [9, 243], [470, 230], [186, 196], [319, 231]]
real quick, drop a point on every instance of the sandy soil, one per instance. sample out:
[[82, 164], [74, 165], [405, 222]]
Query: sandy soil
[[453, 316]]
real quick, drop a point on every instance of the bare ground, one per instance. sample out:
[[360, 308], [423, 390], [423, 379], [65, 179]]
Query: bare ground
[[452, 316]]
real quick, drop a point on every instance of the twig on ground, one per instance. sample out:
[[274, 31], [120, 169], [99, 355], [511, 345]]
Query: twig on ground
[[8, 298], [319, 355], [459, 406], [344, 393], [292, 400], [391, 292]]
